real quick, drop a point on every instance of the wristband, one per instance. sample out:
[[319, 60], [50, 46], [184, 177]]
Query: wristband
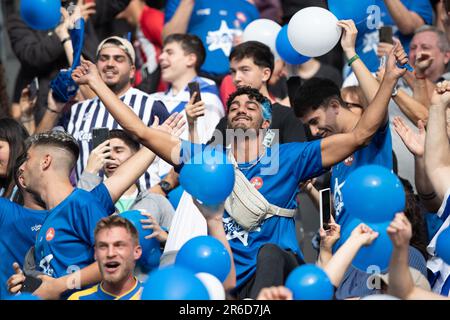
[[353, 59]]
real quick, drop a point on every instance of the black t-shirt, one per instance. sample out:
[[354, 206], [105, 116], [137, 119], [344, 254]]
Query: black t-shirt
[[291, 129]]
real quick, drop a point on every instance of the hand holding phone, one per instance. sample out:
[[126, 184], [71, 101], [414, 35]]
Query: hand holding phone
[[34, 88], [99, 135], [325, 208], [385, 34], [194, 87]]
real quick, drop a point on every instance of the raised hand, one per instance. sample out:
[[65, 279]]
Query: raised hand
[[99, 158], [175, 124], [86, 73], [441, 95], [194, 110], [413, 141], [400, 231], [152, 224], [15, 282], [348, 37], [364, 234], [396, 56], [26, 103], [422, 63], [329, 237]]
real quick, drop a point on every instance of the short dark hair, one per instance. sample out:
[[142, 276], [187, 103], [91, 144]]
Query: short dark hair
[[252, 93], [314, 93], [130, 140], [255, 50], [15, 134], [117, 221], [191, 44], [58, 139]]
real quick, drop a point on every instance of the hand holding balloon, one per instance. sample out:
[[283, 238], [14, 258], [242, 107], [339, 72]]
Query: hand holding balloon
[[348, 40]]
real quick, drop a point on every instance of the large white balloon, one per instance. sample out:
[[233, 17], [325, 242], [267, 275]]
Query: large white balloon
[[263, 30], [313, 31], [213, 285]]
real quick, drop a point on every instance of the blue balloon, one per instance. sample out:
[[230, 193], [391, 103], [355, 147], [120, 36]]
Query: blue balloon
[[356, 10], [23, 296], [373, 194], [41, 14], [285, 49], [205, 254], [375, 257], [151, 248], [443, 245], [309, 282], [208, 176], [174, 196], [174, 283]]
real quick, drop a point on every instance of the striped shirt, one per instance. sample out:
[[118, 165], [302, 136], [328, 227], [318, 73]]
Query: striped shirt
[[206, 124], [98, 293], [89, 114]]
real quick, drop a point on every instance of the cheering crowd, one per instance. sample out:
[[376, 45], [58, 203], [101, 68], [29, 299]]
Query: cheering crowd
[[170, 78]]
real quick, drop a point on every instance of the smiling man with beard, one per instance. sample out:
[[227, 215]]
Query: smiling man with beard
[[116, 250]]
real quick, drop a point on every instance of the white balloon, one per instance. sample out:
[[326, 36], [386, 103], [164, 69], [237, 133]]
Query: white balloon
[[380, 297], [213, 285], [313, 31], [265, 31]]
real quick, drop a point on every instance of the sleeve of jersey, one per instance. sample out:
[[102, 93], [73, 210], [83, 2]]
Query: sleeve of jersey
[[423, 8], [160, 110], [5, 210], [169, 11], [307, 159], [102, 195]]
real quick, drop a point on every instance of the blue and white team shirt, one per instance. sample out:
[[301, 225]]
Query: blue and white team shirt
[[216, 23], [276, 176], [441, 270], [378, 151], [19, 227], [98, 293], [367, 42], [65, 242], [89, 114]]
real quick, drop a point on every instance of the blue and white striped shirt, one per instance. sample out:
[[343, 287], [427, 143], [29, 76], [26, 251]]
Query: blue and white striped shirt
[[89, 114]]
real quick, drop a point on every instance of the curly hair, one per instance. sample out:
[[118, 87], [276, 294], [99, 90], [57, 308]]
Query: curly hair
[[253, 94]]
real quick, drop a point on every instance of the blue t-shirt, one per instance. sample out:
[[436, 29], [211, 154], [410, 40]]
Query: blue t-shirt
[[276, 176], [216, 23], [378, 151], [367, 42], [65, 243], [18, 229]]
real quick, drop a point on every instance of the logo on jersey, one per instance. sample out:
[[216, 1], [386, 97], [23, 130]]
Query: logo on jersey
[[234, 231], [257, 182], [50, 234], [349, 161], [36, 227], [221, 39]]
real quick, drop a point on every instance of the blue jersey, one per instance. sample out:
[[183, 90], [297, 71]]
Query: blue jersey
[[65, 242], [276, 176], [216, 23], [378, 151], [18, 229], [367, 42], [98, 293]]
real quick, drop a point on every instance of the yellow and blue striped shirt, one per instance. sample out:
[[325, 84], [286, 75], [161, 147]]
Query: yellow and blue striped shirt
[[98, 293]]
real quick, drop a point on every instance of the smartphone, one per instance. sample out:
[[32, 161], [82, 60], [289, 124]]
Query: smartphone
[[99, 135], [325, 208], [385, 34], [30, 284], [194, 87], [34, 88], [447, 5]]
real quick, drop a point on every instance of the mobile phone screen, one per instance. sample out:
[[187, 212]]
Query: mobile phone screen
[[194, 87], [34, 88], [385, 34], [99, 135], [325, 208]]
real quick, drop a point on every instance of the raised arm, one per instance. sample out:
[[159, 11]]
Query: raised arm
[[180, 19], [362, 235], [367, 81], [339, 146], [129, 172], [161, 143], [437, 145], [407, 21]]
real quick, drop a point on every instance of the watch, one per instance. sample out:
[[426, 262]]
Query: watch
[[165, 186], [394, 92]]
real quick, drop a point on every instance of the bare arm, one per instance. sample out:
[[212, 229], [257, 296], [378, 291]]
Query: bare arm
[[339, 263], [406, 21], [412, 108], [437, 146], [214, 224], [180, 20], [161, 143]]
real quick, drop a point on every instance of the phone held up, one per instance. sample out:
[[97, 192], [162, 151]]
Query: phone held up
[[99, 135], [34, 88], [194, 87], [325, 208]]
